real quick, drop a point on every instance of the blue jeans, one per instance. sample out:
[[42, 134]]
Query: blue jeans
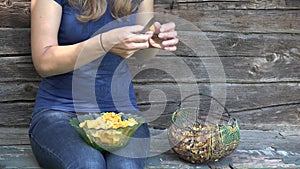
[[57, 145]]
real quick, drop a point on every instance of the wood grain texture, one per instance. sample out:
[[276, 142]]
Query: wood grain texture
[[239, 97], [246, 21], [14, 136], [228, 4], [17, 157], [15, 41], [272, 68], [15, 13], [15, 114], [18, 91], [280, 118], [256, 56], [245, 92], [241, 22], [277, 153], [17, 68], [256, 42]]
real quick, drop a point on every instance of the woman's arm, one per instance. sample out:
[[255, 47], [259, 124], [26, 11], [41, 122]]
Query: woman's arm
[[164, 35], [50, 58], [145, 12]]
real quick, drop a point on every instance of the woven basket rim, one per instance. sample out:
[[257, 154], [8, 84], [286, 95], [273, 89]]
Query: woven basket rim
[[231, 119]]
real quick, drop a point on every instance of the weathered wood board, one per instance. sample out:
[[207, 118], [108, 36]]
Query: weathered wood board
[[11, 136], [245, 21], [254, 55], [16, 114], [280, 118], [16, 13], [241, 98], [249, 154], [229, 4], [17, 41], [272, 68], [12, 157]]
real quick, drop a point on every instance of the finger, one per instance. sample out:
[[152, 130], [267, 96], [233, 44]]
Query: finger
[[171, 42], [138, 38], [170, 48], [157, 27], [133, 46], [125, 33], [168, 35], [137, 45], [167, 27], [149, 33]]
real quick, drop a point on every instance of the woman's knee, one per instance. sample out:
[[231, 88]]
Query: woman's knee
[[87, 162], [58, 145], [68, 160]]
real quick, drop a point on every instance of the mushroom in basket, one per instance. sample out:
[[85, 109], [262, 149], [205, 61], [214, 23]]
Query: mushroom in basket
[[198, 142]]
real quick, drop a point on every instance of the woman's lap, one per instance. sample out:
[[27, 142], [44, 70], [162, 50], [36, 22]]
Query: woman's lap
[[58, 145]]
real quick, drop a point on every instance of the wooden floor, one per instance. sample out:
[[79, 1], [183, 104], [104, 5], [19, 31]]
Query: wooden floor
[[258, 149]]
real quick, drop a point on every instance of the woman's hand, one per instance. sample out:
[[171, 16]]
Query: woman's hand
[[126, 41], [164, 36]]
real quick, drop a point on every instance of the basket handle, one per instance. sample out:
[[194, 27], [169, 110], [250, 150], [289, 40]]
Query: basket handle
[[201, 94]]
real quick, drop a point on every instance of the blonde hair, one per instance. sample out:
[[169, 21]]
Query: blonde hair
[[94, 9]]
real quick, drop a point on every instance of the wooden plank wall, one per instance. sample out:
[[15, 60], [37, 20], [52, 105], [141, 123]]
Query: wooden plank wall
[[258, 43], [18, 79]]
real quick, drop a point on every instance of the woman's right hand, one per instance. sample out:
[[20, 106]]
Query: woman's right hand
[[125, 41]]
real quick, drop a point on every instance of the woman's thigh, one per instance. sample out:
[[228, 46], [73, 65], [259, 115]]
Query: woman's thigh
[[56, 144]]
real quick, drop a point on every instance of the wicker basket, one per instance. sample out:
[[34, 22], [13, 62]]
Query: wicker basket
[[195, 141]]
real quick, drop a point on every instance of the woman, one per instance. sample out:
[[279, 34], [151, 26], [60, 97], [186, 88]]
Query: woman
[[79, 47]]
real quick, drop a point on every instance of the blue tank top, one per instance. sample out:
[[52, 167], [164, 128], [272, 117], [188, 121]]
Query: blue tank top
[[102, 85]]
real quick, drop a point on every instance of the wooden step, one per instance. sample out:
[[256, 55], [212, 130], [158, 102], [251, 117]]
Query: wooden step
[[258, 149]]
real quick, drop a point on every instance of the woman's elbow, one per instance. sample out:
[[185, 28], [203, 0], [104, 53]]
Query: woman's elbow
[[42, 65], [42, 69]]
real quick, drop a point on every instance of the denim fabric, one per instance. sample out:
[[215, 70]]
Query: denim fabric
[[57, 145]]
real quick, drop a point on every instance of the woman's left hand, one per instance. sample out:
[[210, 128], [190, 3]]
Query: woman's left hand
[[164, 37]]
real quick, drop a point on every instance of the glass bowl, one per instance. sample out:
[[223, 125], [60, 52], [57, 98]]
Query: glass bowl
[[109, 139]]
